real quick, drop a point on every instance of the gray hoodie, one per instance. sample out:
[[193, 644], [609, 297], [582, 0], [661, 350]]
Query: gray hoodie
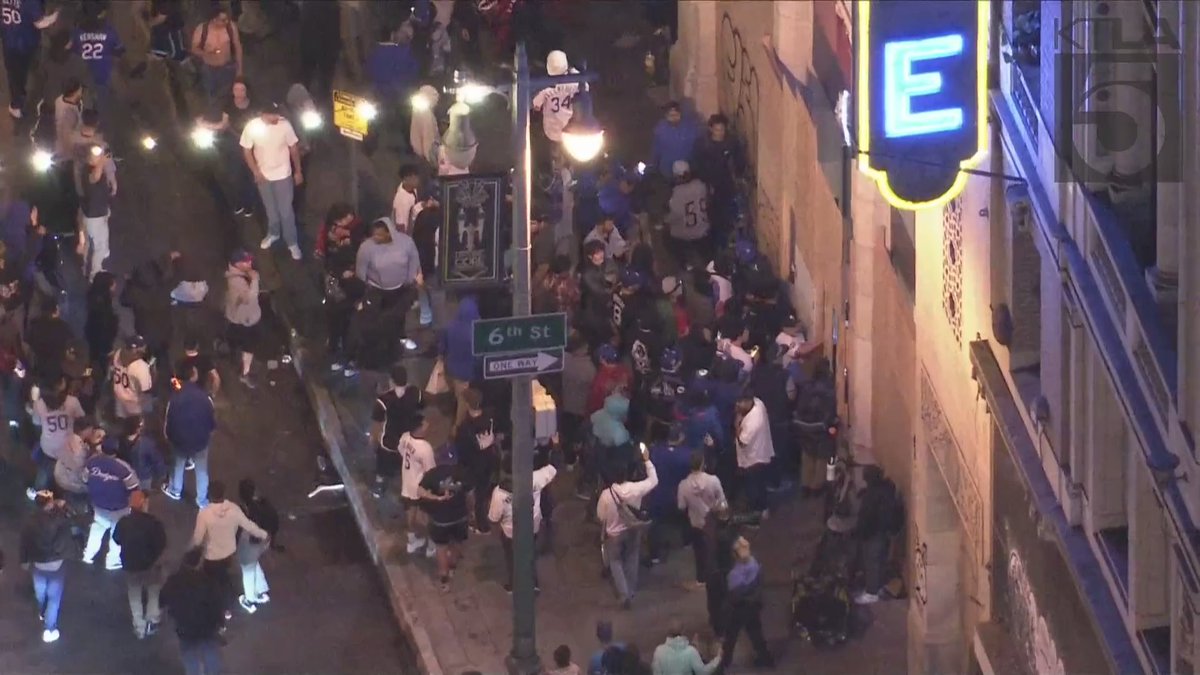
[[241, 298], [388, 266]]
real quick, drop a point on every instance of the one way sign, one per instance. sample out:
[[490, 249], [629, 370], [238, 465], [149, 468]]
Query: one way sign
[[502, 366]]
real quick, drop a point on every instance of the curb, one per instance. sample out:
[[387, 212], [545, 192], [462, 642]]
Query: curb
[[397, 586]]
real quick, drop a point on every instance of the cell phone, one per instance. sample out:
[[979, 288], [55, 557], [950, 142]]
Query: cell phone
[[19, 370], [754, 353], [641, 168]]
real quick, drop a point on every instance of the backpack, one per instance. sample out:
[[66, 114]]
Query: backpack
[[893, 509]]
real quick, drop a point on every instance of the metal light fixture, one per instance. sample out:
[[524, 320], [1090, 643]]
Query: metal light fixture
[[204, 138], [42, 160], [473, 93], [583, 138]]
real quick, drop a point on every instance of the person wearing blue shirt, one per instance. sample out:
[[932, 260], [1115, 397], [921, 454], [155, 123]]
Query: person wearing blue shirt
[[189, 424], [109, 481], [674, 139], [21, 23], [672, 461], [616, 200], [95, 40]]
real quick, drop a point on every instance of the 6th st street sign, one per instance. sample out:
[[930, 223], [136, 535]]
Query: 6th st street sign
[[545, 332], [500, 366]]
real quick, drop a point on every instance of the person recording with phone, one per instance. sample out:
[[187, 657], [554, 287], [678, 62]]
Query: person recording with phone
[[622, 519]]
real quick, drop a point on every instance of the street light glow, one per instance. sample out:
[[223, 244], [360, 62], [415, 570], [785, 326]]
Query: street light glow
[[366, 110], [310, 119], [42, 160], [97, 151], [582, 143], [203, 138], [473, 93], [149, 143], [420, 103]]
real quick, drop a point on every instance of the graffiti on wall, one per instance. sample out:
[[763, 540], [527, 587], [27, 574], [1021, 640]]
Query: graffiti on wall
[[739, 89], [1030, 632]]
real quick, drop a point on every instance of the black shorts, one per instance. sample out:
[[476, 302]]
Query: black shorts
[[387, 463], [410, 503], [448, 534], [243, 338]]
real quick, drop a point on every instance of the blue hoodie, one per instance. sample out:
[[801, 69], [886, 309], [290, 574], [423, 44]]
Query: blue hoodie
[[617, 204], [392, 68], [608, 423], [189, 420], [673, 463], [674, 142], [456, 342], [700, 422]]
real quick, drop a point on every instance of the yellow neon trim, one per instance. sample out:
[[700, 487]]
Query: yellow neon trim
[[864, 111]]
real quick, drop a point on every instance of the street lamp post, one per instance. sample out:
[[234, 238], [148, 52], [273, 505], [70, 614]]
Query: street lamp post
[[524, 659]]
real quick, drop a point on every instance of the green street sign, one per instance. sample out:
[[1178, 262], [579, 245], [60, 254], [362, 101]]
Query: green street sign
[[519, 334]]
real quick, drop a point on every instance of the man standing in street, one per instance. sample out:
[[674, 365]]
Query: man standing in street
[[218, 48], [197, 607], [272, 151], [45, 545], [405, 201], [394, 414], [754, 451], [501, 512], [142, 539], [20, 23], [110, 480], [216, 533], [390, 265], [242, 310], [618, 512], [189, 424], [418, 458]]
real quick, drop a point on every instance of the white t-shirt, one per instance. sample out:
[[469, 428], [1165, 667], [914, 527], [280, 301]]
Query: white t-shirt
[[555, 104], [722, 290], [501, 509], [402, 209], [129, 383], [754, 438], [418, 458], [270, 145], [56, 424], [789, 345]]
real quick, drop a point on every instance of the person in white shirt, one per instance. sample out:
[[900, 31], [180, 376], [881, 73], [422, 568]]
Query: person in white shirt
[[416, 455], [731, 346], [54, 412], [606, 233], [501, 511], [132, 378], [272, 151], [554, 103], [405, 200], [698, 494], [754, 450], [617, 510]]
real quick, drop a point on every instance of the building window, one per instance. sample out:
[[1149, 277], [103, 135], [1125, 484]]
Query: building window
[[952, 265]]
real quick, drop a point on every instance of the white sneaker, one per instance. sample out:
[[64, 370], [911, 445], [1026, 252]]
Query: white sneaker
[[431, 550], [864, 598], [268, 241], [295, 251], [31, 493], [262, 599], [415, 545], [336, 366], [49, 635], [247, 604], [15, 113]]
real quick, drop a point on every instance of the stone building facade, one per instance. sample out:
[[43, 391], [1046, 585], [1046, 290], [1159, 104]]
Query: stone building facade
[[1022, 361]]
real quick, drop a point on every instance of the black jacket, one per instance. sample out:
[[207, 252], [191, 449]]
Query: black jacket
[[148, 294], [142, 538], [769, 383], [46, 537], [195, 602]]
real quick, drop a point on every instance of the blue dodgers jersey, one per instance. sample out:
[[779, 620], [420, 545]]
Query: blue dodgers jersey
[[109, 482], [98, 48], [17, 29]]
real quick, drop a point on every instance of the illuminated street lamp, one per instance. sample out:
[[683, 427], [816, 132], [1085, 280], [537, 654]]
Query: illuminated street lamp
[[149, 142], [583, 138], [311, 120], [204, 138], [473, 93], [421, 103], [366, 110], [42, 160]]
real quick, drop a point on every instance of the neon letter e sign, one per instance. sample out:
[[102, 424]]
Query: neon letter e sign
[[921, 90]]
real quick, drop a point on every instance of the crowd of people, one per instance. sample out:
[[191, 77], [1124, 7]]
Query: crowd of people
[[691, 401]]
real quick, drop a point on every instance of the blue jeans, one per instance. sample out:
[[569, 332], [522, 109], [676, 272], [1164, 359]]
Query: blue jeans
[[277, 201], [622, 554], [425, 300], [48, 588], [201, 460], [218, 80], [201, 657]]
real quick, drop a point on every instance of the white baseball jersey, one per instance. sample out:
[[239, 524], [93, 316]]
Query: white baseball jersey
[[56, 424], [129, 383], [418, 458], [555, 105]]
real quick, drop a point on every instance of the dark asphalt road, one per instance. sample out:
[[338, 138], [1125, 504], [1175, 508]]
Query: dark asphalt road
[[328, 612]]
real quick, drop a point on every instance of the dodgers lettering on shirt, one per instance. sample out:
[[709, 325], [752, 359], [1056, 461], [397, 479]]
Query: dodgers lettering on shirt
[[98, 49], [16, 24], [109, 481]]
